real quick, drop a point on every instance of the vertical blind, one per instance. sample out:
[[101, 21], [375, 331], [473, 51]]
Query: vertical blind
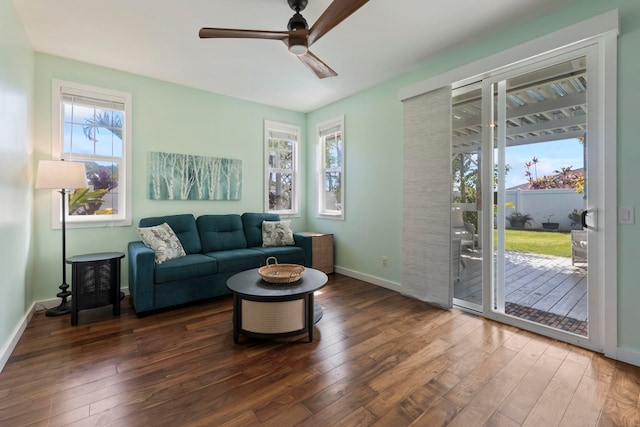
[[426, 198]]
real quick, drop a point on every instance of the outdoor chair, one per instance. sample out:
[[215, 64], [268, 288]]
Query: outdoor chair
[[578, 247], [461, 230], [462, 233]]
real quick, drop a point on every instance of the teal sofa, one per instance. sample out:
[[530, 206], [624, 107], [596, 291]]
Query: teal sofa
[[216, 246]]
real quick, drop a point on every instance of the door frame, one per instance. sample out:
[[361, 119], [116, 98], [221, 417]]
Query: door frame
[[601, 30]]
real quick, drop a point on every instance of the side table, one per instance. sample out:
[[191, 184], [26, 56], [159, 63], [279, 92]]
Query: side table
[[95, 282], [321, 251]]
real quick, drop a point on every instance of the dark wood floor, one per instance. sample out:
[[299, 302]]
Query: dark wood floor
[[378, 359]]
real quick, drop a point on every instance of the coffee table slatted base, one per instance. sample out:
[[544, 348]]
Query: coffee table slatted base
[[273, 317]]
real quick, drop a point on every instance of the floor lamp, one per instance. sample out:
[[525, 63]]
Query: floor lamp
[[61, 176]]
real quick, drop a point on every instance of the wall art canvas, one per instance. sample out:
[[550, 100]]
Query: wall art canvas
[[186, 177]]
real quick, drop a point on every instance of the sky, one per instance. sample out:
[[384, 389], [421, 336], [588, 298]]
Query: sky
[[551, 156]]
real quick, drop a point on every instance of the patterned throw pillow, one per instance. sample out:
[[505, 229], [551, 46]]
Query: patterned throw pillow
[[277, 233], [163, 241]]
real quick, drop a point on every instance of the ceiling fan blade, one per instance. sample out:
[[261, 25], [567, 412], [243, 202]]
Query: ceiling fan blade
[[321, 69], [229, 33], [337, 12]]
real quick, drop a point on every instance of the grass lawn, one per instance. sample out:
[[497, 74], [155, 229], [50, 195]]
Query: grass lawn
[[539, 242]]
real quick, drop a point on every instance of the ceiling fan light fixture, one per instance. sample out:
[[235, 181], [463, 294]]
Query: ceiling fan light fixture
[[298, 45], [299, 36]]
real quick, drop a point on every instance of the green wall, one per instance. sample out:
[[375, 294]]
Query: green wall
[[166, 117], [373, 136], [16, 98], [628, 173]]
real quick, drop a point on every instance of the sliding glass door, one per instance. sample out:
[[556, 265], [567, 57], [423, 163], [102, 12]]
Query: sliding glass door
[[541, 193], [525, 192]]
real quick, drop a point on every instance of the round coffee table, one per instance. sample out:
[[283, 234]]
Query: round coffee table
[[266, 310]]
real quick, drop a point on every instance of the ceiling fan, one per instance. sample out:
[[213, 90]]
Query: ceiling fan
[[299, 37]]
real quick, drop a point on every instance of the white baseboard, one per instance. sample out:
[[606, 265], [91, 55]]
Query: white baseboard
[[627, 355], [369, 279], [7, 349]]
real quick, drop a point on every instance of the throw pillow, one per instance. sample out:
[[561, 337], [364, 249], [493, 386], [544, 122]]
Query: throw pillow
[[163, 241], [277, 233]]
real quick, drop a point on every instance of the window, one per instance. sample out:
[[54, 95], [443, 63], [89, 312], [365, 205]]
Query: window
[[91, 125], [281, 166], [331, 179]]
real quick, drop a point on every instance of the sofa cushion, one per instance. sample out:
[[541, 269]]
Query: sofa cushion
[[284, 254], [237, 260], [163, 241], [221, 232], [194, 265], [183, 225], [252, 223]]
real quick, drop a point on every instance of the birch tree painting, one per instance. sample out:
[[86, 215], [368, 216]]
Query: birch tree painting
[[186, 177]]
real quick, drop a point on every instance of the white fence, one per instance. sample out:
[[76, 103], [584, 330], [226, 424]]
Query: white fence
[[540, 204]]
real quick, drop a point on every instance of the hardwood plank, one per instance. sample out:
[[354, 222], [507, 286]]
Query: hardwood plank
[[622, 405], [482, 406], [499, 420], [378, 359], [526, 394], [553, 403], [579, 415], [439, 414]]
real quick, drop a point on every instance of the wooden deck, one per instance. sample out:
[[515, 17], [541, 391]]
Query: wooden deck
[[546, 283]]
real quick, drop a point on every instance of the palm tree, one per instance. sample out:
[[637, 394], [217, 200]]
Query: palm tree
[[105, 120]]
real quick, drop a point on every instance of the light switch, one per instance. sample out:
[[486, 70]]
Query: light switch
[[626, 216]]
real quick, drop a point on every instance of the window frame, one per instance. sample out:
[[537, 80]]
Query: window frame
[[291, 129], [322, 128], [124, 216]]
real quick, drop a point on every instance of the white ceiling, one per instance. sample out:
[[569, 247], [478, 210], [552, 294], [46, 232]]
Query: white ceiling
[[159, 39]]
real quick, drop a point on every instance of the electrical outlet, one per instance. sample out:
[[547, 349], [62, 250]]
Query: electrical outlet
[[384, 261]]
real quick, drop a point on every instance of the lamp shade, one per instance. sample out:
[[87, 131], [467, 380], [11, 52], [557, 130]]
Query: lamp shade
[[58, 174]]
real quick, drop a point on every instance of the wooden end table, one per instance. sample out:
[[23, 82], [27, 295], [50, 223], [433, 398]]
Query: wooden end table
[[267, 310]]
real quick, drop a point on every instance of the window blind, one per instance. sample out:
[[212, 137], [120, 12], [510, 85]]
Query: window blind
[[329, 130], [282, 135], [88, 99]]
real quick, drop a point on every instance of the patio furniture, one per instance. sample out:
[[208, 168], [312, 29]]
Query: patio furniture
[[579, 246], [455, 260], [461, 232]]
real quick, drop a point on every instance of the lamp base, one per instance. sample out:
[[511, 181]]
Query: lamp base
[[65, 306], [61, 310]]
